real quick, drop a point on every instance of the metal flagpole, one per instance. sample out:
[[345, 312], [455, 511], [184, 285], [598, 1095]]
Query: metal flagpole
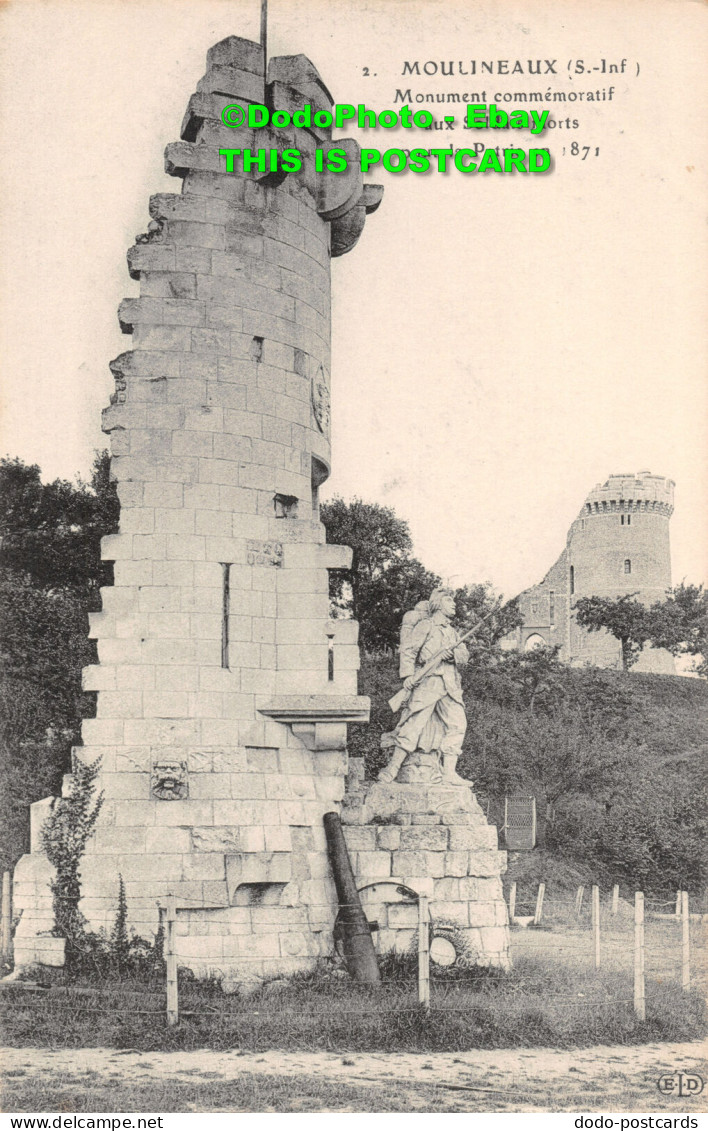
[[264, 31]]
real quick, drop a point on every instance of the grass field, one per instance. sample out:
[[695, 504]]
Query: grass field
[[549, 998], [492, 1041]]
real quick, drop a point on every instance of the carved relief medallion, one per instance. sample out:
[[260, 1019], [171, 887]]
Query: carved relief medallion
[[320, 401]]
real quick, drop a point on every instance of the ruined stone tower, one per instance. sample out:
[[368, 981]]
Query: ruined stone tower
[[223, 691], [618, 544]]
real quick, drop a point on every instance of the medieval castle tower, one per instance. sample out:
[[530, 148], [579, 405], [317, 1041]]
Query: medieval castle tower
[[618, 544]]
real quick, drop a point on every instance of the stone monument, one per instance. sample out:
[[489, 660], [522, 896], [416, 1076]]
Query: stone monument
[[223, 689], [419, 829]]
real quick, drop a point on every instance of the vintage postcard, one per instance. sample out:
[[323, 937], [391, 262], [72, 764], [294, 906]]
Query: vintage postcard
[[353, 556]]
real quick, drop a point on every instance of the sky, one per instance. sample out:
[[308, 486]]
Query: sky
[[500, 343]]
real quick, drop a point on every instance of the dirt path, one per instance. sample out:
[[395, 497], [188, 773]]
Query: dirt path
[[603, 1078]]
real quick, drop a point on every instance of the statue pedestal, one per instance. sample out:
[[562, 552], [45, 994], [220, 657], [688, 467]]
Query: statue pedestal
[[416, 839]]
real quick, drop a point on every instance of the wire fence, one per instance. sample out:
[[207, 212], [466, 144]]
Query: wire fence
[[591, 932]]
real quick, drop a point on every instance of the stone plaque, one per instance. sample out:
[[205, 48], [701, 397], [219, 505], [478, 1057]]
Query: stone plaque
[[264, 553]]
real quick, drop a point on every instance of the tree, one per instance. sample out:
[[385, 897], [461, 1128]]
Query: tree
[[626, 619], [680, 624], [50, 574], [475, 602], [51, 532], [384, 580]]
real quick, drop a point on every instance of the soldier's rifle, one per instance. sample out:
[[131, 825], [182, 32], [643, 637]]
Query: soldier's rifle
[[402, 696]]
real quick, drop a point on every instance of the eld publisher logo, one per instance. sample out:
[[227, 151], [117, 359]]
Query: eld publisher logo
[[680, 1084]]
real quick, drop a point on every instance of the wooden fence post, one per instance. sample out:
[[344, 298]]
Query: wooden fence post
[[678, 905], [615, 899], [596, 925], [171, 962], [512, 902], [539, 904], [6, 933], [639, 996], [685, 943], [423, 952], [579, 899]]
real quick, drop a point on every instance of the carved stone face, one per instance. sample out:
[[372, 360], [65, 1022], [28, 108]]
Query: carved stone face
[[447, 605], [169, 780]]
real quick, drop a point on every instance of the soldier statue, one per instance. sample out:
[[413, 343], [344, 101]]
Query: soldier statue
[[428, 738]]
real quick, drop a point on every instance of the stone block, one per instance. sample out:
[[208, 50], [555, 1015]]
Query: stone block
[[203, 866], [257, 868], [456, 863], [470, 837], [490, 888], [246, 786], [33, 870], [361, 838], [421, 885], [144, 867], [41, 949], [126, 786], [481, 913], [253, 838], [215, 894], [185, 812], [135, 677], [166, 704], [170, 520], [237, 706], [278, 838], [447, 887], [280, 917], [435, 863], [242, 813], [494, 940], [173, 574], [486, 863], [161, 839], [102, 732], [131, 813], [261, 945], [449, 912], [426, 837], [295, 761], [290, 813], [207, 947], [177, 678], [388, 837], [39, 811], [501, 914], [211, 786], [224, 839], [278, 787], [402, 915], [120, 705], [410, 863], [330, 789]]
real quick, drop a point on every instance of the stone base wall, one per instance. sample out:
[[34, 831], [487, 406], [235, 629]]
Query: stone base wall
[[252, 882], [411, 840]]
